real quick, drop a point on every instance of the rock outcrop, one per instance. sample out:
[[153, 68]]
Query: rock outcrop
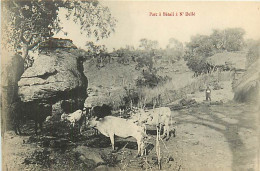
[[55, 78], [11, 70], [90, 156], [247, 88]]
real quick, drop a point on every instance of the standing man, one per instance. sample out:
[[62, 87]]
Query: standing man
[[208, 94]]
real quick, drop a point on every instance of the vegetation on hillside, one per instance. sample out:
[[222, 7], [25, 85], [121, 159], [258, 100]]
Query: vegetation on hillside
[[201, 47], [148, 59]]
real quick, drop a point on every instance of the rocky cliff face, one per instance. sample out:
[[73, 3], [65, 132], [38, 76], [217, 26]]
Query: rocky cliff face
[[56, 78], [11, 70], [247, 88]]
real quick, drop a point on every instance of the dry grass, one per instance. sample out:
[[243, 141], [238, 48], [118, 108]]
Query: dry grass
[[171, 91], [114, 77], [183, 85]]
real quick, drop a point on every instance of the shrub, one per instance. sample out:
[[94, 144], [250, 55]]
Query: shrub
[[150, 79], [40, 158], [110, 159], [132, 95]]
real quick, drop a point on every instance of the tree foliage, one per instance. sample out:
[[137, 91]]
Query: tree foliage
[[174, 44], [198, 65], [146, 44], [230, 39], [150, 79], [148, 52], [27, 23], [94, 49], [125, 55], [145, 60], [174, 50], [98, 53], [220, 40], [201, 46]]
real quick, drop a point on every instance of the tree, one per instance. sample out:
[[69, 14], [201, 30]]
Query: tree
[[124, 55], [27, 23], [234, 39], [147, 53], [198, 65], [146, 44], [218, 40], [230, 39], [145, 59], [174, 49], [174, 44], [201, 45], [97, 51]]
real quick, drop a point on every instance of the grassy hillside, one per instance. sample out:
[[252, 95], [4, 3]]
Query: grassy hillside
[[109, 81], [118, 75], [111, 75]]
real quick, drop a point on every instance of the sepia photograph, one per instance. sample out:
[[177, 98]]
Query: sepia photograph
[[120, 85]]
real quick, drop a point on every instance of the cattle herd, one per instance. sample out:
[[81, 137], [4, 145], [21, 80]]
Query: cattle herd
[[101, 119]]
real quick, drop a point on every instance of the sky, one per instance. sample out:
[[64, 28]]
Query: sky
[[136, 22]]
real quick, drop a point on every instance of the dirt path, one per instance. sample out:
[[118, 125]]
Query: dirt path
[[221, 137], [15, 150]]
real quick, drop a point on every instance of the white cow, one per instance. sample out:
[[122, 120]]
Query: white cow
[[157, 116], [111, 126], [79, 116]]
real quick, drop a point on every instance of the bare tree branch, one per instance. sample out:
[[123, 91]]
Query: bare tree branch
[[22, 37], [34, 44], [30, 38]]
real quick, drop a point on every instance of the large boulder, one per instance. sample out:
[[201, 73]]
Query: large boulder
[[90, 156], [247, 88], [56, 77]]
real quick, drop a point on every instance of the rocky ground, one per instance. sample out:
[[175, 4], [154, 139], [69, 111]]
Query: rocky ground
[[216, 135], [208, 137]]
